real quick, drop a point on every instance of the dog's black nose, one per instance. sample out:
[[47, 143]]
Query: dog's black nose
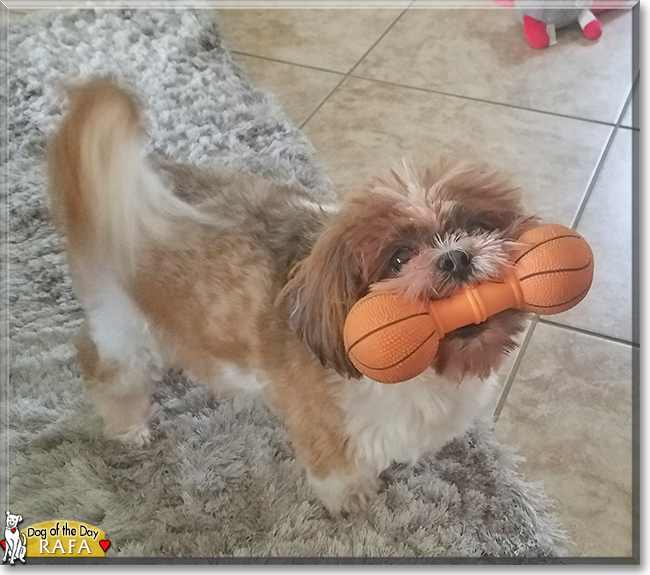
[[457, 263]]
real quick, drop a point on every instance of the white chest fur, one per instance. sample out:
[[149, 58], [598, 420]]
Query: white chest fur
[[401, 422]]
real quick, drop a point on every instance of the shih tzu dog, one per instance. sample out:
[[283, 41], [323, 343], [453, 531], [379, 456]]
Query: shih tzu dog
[[242, 282]]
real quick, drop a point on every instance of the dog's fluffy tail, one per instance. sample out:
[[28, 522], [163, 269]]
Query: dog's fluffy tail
[[106, 199]]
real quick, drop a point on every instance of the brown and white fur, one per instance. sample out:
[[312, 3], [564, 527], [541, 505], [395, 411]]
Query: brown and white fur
[[242, 282]]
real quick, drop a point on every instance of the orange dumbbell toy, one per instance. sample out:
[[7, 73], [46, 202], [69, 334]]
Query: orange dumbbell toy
[[391, 339]]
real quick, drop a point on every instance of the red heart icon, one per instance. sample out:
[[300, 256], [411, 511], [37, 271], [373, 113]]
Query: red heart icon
[[104, 544], [13, 530], [4, 544]]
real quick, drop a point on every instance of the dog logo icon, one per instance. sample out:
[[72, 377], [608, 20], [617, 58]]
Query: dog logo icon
[[15, 547]]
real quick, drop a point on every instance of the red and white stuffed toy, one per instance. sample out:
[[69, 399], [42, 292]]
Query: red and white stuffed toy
[[540, 23]]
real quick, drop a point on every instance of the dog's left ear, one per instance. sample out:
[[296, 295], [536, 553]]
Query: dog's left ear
[[20, 518], [318, 296]]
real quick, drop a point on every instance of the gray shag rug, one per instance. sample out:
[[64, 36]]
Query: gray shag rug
[[219, 478]]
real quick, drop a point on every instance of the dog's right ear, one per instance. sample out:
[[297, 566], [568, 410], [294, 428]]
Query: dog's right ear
[[8, 513], [318, 296]]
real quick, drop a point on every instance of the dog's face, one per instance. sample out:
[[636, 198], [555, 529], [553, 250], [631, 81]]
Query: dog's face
[[423, 235], [13, 520]]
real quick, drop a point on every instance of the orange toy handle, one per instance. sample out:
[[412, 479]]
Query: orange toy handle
[[476, 304]]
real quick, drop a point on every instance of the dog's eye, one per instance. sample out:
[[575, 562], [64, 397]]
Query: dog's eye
[[400, 257]]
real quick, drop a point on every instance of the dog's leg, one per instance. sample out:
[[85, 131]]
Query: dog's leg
[[342, 480], [309, 402], [118, 384]]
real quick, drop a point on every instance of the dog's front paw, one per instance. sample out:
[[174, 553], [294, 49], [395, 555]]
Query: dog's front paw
[[126, 418], [345, 493], [137, 434]]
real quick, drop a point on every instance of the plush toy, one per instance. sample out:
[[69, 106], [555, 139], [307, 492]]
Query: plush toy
[[390, 338], [540, 23]]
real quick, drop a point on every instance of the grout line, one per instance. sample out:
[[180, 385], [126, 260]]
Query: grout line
[[505, 392], [379, 39], [629, 103], [594, 178], [428, 90], [482, 101], [583, 331], [304, 122], [515, 368], [239, 52], [599, 165], [349, 73], [431, 91]]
